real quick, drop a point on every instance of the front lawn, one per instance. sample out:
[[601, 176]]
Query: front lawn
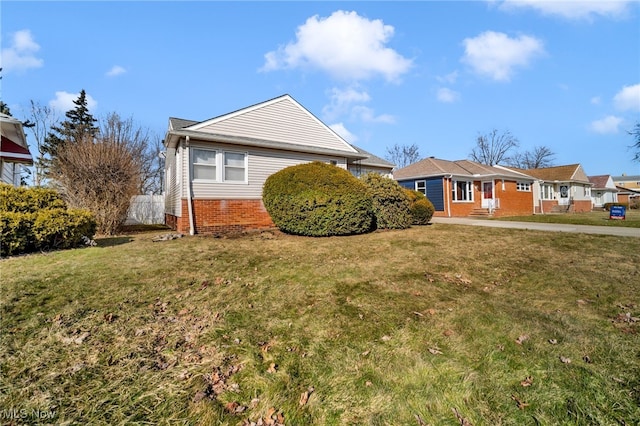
[[597, 218], [433, 325]]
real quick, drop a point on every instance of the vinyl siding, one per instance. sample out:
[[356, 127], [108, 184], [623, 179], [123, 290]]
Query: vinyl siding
[[261, 163], [282, 121], [172, 191], [8, 173]]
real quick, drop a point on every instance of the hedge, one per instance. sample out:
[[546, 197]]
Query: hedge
[[318, 199], [391, 206], [421, 207]]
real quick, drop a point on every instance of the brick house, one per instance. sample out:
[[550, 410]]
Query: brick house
[[466, 188], [560, 189], [215, 169]]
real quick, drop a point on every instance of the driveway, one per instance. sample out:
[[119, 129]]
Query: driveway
[[553, 227]]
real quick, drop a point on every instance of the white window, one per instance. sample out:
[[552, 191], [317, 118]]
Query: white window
[[462, 190], [421, 186], [204, 164], [547, 191], [523, 186], [235, 167]]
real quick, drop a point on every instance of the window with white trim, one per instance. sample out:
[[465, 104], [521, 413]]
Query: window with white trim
[[462, 190], [523, 186], [235, 167], [204, 164], [546, 191], [421, 186], [219, 166]]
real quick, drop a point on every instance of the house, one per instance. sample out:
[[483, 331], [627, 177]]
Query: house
[[628, 182], [215, 169], [14, 150], [466, 188], [603, 190]]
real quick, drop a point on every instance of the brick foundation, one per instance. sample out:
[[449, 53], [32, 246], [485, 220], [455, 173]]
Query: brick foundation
[[221, 216]]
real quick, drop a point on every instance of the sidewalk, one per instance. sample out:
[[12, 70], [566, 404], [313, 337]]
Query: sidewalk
[[553, 227]]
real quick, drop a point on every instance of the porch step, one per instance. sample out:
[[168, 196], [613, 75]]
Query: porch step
[[562, 209], [480, 213]]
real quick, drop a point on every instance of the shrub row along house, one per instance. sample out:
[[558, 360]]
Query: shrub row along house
[[215, 171]]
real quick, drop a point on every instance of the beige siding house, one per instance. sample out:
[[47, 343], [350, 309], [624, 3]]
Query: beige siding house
[[215, 169]]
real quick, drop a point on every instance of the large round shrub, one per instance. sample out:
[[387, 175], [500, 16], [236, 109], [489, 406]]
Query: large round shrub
[[317, 199], [390, 202], [421, 207]]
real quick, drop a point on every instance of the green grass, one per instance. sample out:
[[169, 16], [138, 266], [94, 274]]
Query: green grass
[[384, 327], [596, 218]]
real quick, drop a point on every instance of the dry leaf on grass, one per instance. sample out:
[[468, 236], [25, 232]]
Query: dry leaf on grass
[[435, 351], [521, 404], [527, 382], [553, 341], [565, 360], [272, 368], [304, 398], [521, 339]]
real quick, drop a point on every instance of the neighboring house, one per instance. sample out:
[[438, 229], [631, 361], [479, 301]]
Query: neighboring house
[[603, 190], [466, 188], [629, 196], [215, 169], [560, 189], [628, 182], [14, 150], [371, 164]]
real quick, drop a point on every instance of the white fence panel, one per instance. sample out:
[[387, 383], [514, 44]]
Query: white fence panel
[[146, 209]]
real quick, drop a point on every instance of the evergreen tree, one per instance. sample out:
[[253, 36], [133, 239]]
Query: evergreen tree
[[78, 125]]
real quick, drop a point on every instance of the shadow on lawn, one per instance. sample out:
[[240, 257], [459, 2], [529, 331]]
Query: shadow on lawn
[[113, 241]]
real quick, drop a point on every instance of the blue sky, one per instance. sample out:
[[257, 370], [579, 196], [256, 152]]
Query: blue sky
[[565, 75]]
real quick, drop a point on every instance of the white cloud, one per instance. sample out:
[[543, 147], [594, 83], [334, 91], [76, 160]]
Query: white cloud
[[576, 9], [366, 114], [609, 124], [595, 100], [447, 95], [63, 102], [345, 45], [628, 99], [340, 129], [21, 53], [116, 70], [496, 55]]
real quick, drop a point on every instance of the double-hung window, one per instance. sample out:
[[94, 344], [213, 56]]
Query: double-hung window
[[547, 191], [421, 186], [219, 166], [462, 190], [204, 164], [235, 167]]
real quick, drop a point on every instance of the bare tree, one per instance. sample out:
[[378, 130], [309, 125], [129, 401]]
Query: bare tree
[[43, 118], [538, 157], [139, 142], [635, 133], [403, 155], [494, 147]]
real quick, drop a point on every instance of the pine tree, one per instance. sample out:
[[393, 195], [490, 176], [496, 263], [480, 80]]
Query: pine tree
[[79, 124]]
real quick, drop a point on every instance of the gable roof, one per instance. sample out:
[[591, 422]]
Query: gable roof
[[602, 182], [279, 123], [567, 173], [431, 167]]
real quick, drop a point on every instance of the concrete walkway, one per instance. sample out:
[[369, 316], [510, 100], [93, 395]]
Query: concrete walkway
[[553, 227]]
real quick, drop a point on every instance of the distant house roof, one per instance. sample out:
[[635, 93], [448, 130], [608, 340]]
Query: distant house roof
[[625, 178], [600, 182], [432, 166], [568, 173], [373, 160]]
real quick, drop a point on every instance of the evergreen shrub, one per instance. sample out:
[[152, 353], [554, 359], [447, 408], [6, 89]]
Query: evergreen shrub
[[318, 199], [421, 207], [391, 205], [37, 219]]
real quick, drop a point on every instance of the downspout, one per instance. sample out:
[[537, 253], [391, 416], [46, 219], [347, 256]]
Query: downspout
[[189, 192], [540, 183], [448, 193]]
